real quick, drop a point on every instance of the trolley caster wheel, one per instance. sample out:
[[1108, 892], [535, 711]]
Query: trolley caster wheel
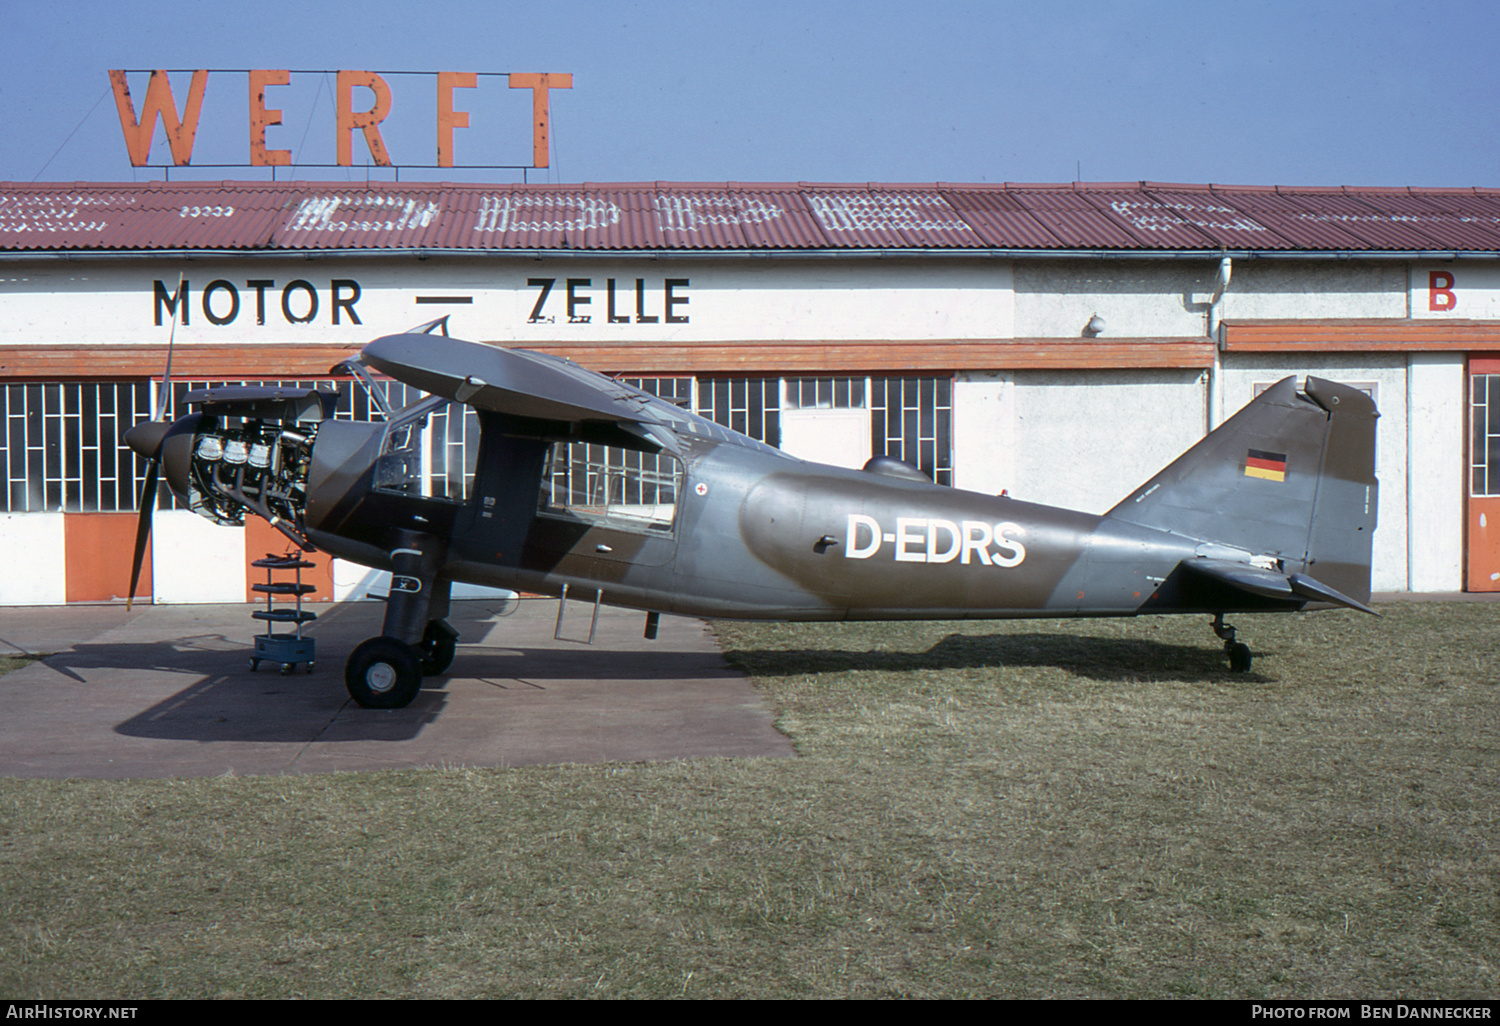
[[309, 666], [254, 665], [286, 668], [1239, 656], [383, 673]]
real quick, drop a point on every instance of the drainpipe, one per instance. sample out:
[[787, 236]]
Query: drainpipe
[[1215, 393]]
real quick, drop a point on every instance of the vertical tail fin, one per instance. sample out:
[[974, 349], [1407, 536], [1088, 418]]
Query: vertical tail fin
[[1291, 476]]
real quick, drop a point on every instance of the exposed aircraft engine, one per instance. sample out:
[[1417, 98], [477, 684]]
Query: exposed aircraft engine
[[256, 466], [251, 451]]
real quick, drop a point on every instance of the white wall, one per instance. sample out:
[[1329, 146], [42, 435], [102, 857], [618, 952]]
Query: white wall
[[33, 563], [1270, 288], [1085, 440], [1454, 290], [984, 432], [194, 559], [1142, 299], [352, 582], [1169, 298], [1081, 439], [812, 299], [837, 437], [1435, 503]]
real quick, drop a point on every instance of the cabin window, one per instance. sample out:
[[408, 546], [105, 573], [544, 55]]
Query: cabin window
[[424, 452], [610, 486]]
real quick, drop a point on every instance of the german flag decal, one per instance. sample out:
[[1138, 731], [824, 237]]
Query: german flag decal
[[1268, 465]]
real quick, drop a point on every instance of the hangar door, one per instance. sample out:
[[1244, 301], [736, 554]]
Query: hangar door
[[1483, 557]]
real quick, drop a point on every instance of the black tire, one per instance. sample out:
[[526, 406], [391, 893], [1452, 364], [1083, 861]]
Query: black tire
[[1239, 656], [439, 644], [383, 673]]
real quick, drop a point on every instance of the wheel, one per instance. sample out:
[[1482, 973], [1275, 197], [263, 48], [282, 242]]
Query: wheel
[[1239, 656], [286, 668], [254, 663], [383, 673], [439, 643]]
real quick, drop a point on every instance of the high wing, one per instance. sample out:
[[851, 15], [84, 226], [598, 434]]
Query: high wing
[[513, 381], [540, 387]]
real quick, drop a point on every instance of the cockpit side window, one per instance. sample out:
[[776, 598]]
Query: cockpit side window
[[423, 453], [615, 487]]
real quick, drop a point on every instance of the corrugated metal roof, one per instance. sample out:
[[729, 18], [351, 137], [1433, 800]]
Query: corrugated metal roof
[[736, 216]]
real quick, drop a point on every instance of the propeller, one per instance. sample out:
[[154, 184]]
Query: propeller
[[145, 440]]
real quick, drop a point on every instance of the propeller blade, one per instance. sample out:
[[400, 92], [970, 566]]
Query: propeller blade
[[143, 527], [164, 393]]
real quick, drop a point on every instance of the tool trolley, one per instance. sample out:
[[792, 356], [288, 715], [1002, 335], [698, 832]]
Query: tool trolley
[[292, 648]]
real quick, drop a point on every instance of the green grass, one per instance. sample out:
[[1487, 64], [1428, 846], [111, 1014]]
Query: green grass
[[1026, 809], [9, 662]]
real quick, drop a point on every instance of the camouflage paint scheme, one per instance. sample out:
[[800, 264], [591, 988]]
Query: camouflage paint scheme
[[1272, 511]]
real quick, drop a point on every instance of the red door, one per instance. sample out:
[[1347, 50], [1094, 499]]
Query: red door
[[1484, 476], [98, 548]]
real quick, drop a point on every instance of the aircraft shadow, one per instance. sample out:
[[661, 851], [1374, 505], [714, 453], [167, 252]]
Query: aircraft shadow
[[1115, 659], [227, 701]]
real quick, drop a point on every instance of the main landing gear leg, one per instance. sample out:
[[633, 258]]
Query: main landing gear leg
[[1238, 652], [386, 672]]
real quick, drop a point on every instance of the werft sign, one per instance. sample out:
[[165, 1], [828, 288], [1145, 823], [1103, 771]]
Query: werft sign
[[368, 89]]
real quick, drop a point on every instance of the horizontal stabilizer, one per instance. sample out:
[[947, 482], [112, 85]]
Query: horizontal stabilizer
[[1307, 587], [1270, 584]]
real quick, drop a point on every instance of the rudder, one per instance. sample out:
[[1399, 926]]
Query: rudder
[[1291, 476]]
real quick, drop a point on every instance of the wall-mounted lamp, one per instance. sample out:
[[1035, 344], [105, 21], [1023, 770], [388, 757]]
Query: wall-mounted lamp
[[1094, 327]]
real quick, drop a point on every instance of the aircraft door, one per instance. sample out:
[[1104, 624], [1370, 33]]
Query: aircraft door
[[1483, 557]]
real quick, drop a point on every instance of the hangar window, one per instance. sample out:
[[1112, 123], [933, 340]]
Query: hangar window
[[1369, 388], [751, 406], [62, 445], [910, 418], [62, 448], [1484, 442], [825, 393]]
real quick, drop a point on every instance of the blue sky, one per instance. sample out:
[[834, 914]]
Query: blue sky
[[1259, 92]]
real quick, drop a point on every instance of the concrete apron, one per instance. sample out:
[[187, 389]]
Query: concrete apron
[[166, 691]]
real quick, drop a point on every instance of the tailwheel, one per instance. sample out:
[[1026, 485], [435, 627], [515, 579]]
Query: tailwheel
[[1238, 652], [383, 673], [439, 643]]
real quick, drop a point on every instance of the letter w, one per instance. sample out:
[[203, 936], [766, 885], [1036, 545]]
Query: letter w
[[159, 103]]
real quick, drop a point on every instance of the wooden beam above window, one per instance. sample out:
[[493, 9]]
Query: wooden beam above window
[[189, 361], [1361, 335], [882, 357], [282, 361]]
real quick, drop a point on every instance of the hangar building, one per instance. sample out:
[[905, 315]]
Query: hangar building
[[1059, 342]]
